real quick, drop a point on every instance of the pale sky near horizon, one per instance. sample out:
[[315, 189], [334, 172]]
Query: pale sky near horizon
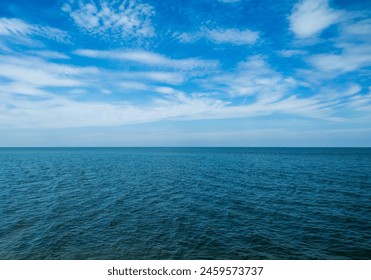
[[185, 73]]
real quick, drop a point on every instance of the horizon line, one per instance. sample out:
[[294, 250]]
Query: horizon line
[[305, 147]]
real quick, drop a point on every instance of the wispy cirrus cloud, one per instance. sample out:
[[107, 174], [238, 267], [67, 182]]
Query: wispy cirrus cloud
[[349, 60], [351, 47], [34, 76], [311, 17], [150, 76], [362, 102], [48, 54], [60, 86], [290, 53], [112, 19], [349, 42], [358, 28], [222, 36], [253, 77], [233, 36], [148, 58], [60, 112], [21, 32]]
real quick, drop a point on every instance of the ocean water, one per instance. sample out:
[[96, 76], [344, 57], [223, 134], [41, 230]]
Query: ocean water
[[185, 203]]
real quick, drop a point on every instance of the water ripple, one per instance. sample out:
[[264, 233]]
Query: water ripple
[[185, 203]]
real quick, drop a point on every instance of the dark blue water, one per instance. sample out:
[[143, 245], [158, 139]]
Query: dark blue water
[[185, 203]]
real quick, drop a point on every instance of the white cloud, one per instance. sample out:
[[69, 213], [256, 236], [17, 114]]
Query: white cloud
[[145, 78], [166, 90], [338, 64], [339, 93], [40, 93], [34, 75], [358, 29], [254, 77], [349, 47], [162, 77], [353, 48], [14, 26], [148, 87], [232, 36], [132, 85], [290, 53], [22, 87], [28, 75], [21, 32], [48, 54], [148, 58], [143, 57], [50, 110], [59, 112], [222, 36], [113, 19], [362, 102], [310, 17]]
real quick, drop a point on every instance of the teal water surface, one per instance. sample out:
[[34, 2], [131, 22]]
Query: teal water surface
[[185, 203]]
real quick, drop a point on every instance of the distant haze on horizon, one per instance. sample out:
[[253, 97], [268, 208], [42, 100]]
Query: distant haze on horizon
[[196, 73]]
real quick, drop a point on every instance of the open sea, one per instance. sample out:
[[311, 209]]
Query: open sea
[[185, 203]]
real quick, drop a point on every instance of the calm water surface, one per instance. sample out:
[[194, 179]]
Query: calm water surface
[[185, 203]]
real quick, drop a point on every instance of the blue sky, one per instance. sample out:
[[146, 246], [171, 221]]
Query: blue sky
[[185, 73]]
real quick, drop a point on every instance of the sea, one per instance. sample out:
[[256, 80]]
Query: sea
[[185, 203]]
